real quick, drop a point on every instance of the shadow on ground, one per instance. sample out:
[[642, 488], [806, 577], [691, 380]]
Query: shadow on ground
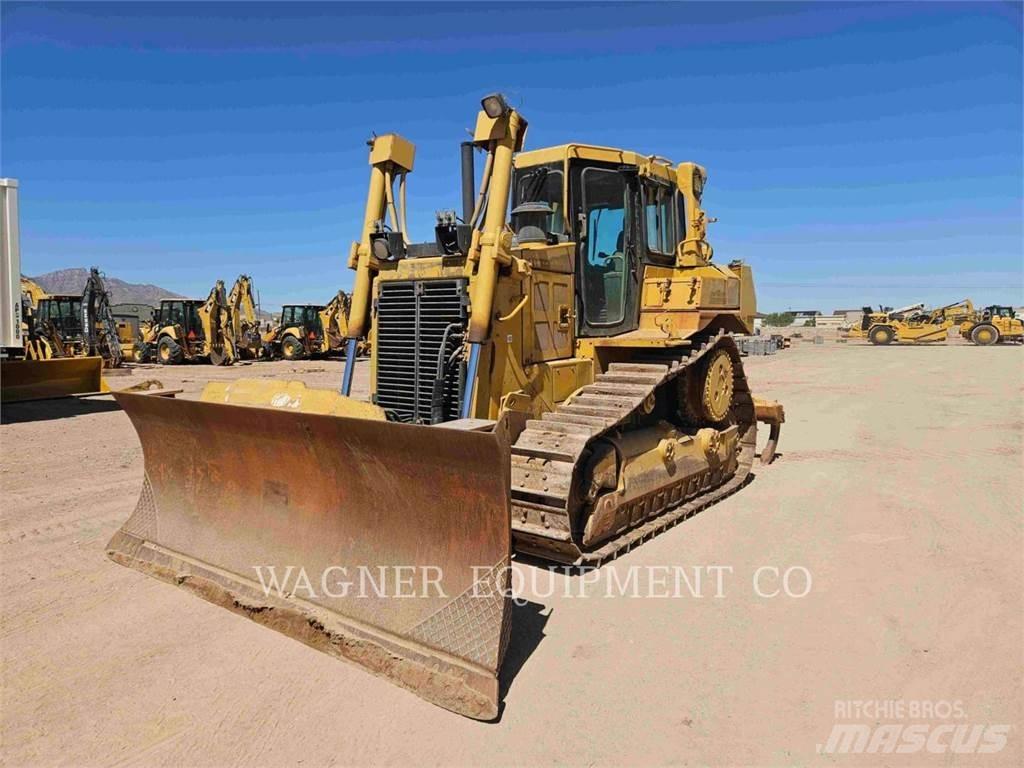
[[528, 621], [47, 410]]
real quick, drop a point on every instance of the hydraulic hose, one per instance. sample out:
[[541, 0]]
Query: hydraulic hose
[[351, 345]]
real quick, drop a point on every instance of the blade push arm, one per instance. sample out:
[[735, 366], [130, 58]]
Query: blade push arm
[[391, 158]]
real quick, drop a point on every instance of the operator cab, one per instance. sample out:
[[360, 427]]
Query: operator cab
[[182, 312], [64, 311], [620, 220], [305, 315], [997, 311]]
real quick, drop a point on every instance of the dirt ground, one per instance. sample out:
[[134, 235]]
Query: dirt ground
[[898, 490]]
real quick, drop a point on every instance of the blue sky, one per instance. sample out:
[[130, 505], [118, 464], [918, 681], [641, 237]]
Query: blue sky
[[857, 153]]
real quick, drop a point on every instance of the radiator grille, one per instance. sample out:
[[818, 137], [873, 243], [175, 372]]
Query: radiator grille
[[411, 321]]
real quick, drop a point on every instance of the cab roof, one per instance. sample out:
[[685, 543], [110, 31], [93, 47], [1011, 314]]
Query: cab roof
[[563, 152]]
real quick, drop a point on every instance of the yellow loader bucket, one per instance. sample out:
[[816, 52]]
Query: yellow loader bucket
[[384, 544], [22, 380]]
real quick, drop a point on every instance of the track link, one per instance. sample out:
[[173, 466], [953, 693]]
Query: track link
[[549, 455]]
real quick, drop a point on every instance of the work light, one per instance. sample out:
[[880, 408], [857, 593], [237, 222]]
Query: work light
[[494, 105]]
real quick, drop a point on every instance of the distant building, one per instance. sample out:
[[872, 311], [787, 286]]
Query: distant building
[[137, 310], [834, 322], [802, 316]]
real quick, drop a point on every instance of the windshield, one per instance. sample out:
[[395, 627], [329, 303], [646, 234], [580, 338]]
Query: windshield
[[171, 313], [307, 316], [65, 314]]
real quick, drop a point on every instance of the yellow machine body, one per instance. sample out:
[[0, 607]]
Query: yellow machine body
[[566, 386], [994, 324], [914, 325], [43, 379], [244, 320], [194, 330], [310, 330]]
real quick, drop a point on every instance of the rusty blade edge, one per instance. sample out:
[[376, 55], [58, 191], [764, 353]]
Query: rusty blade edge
[[443, 680]]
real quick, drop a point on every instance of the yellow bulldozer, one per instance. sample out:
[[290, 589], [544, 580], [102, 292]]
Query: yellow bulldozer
[[562, 384], [187, 330], [309, 330]]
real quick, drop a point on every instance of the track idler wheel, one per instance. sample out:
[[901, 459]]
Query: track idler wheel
[[707, 391]]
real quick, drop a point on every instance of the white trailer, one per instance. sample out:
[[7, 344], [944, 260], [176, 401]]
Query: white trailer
[[10, 267]]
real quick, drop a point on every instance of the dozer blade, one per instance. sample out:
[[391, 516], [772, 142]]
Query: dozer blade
[[389, 543], [22, 380]]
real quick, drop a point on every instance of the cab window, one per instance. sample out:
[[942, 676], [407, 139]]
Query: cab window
[[172, 313], [659, 218], [192, 317], [682, 225], [542, 184], [604, 255]]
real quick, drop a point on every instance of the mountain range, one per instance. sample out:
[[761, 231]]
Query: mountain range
[[73, 281]]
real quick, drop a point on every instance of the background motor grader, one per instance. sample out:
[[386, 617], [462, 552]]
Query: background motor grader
[[566, 386], [194, 330]]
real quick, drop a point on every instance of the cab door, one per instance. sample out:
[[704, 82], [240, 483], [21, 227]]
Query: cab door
[[608, 270]]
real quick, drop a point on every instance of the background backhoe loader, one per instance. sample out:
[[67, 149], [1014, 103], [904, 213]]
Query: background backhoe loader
[[245, 321], [57, 326], [194, 330], [564, 384], [308, 330], [69, 325]]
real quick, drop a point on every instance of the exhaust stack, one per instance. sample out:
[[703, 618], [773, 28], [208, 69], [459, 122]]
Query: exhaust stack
[[468, 181]]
